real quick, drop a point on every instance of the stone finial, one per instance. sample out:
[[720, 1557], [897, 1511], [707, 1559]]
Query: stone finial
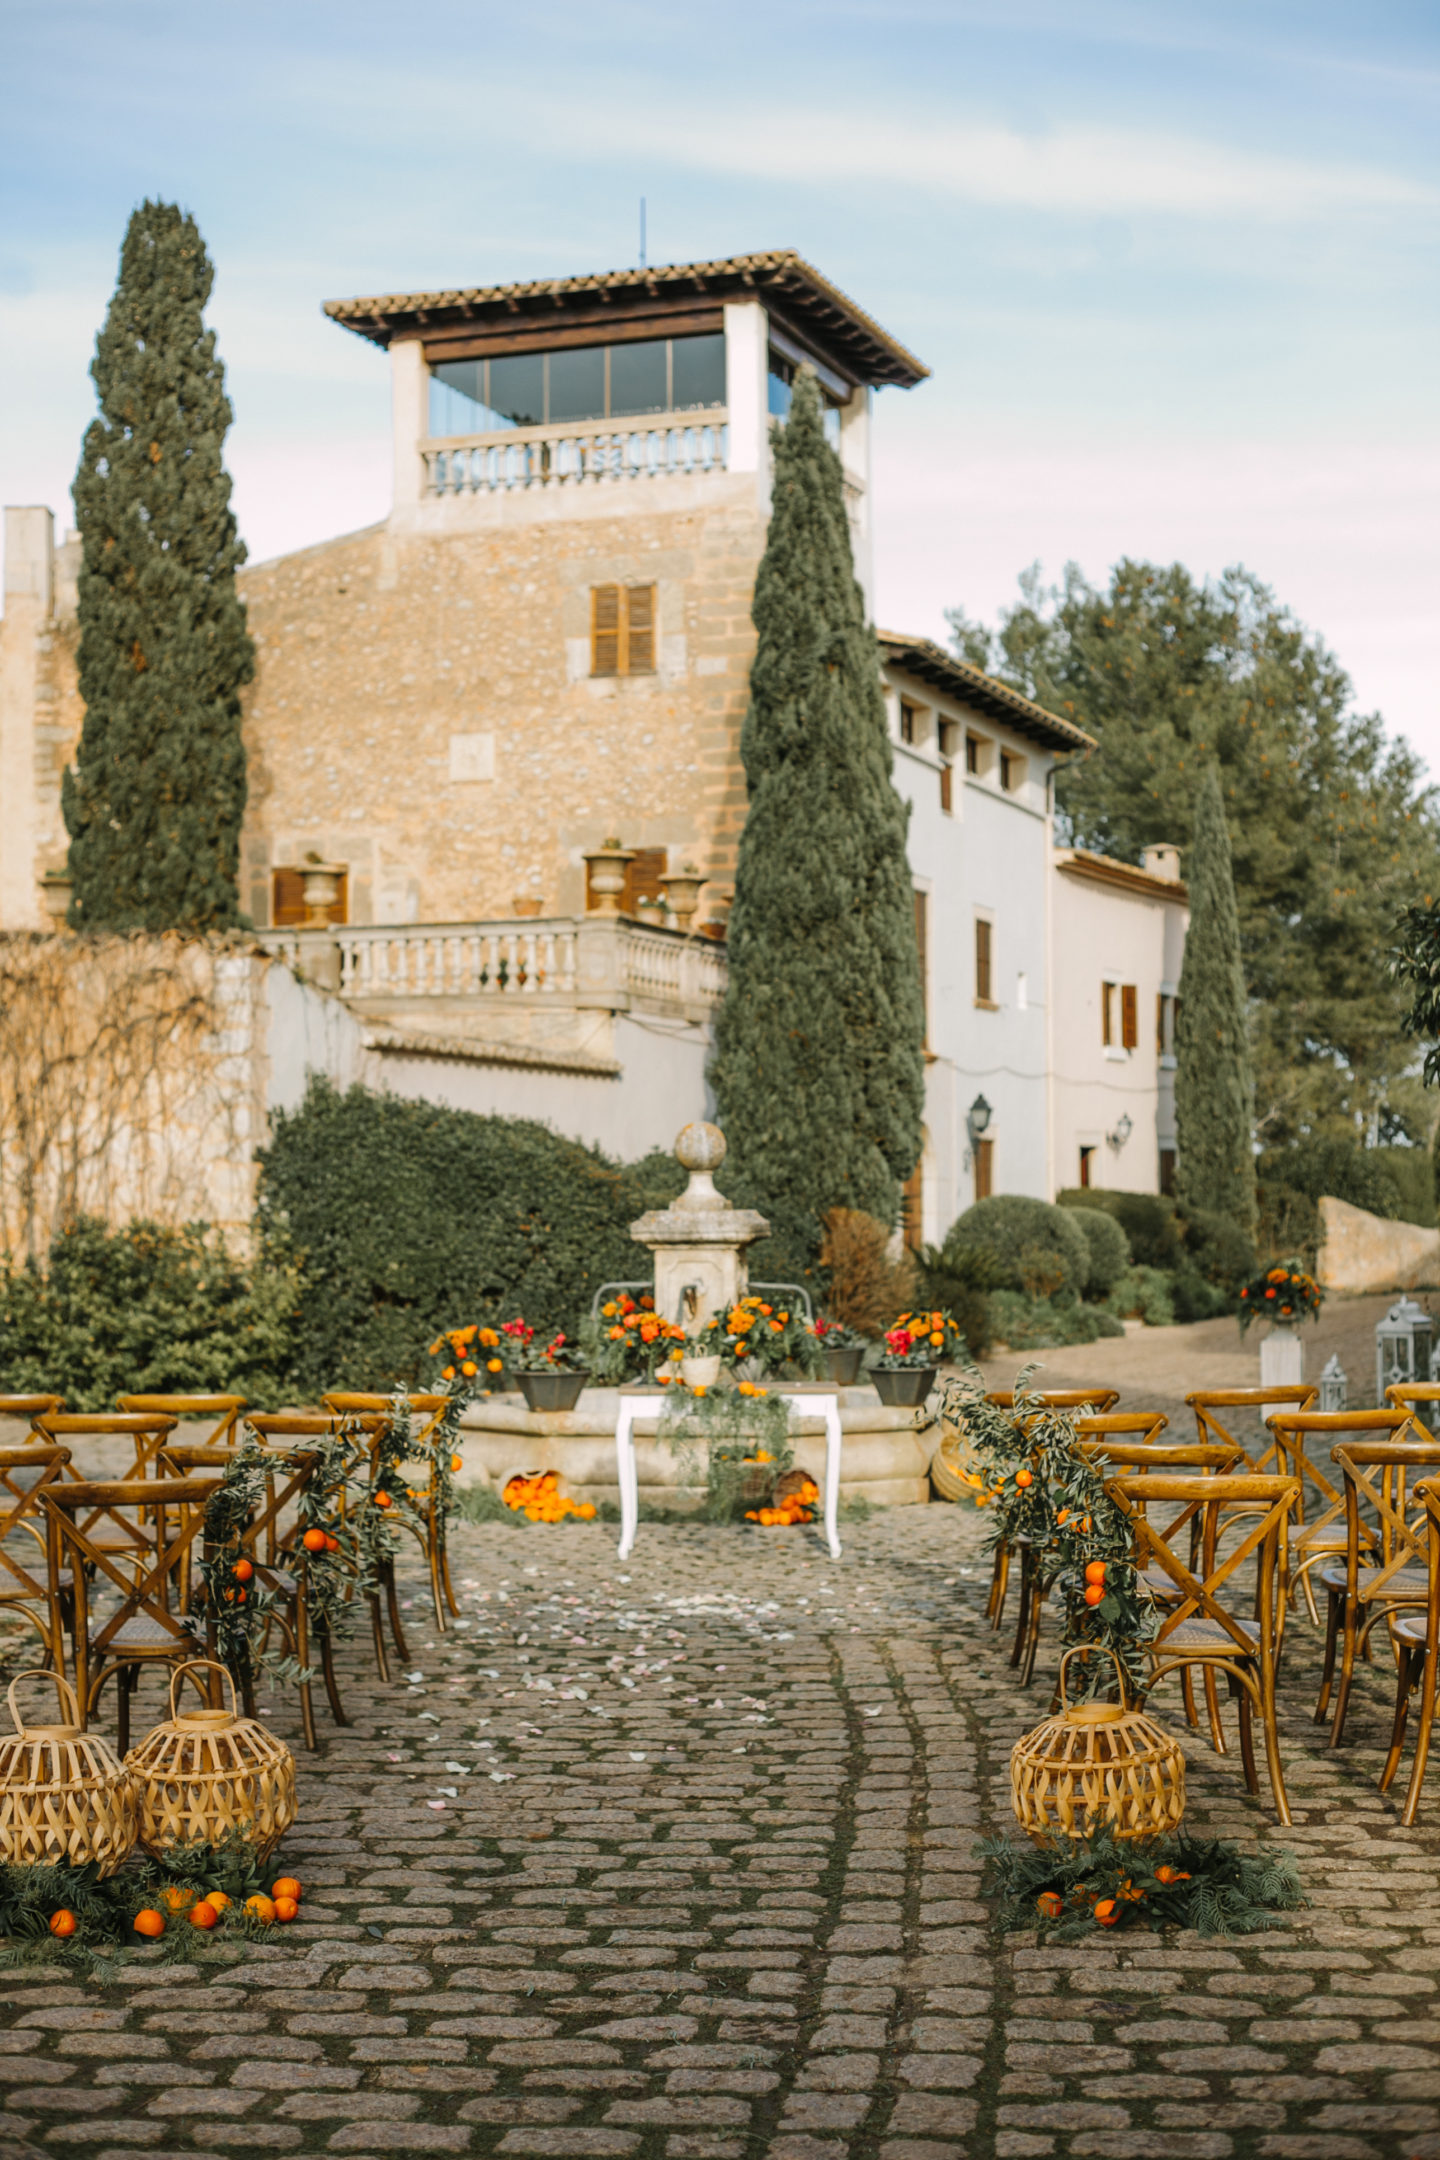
[[700, 1149]]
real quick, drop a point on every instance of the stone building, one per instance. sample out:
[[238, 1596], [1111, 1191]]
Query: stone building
[[493, 742]]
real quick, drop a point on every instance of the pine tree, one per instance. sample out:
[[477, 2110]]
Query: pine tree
[[1214, 1085], [818, 1067], [155, 803]]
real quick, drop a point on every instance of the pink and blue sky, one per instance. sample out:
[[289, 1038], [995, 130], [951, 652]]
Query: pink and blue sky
[[1174, 266]]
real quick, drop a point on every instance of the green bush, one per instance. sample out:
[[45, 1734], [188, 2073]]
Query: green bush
[[1218, 1249], [1041, 1249], [1109, 1249], [405, 1217], [1289, 1221], [1412, 1171], [959, 1285], [146, 1310], [1196, 1299], [1028, 1323], [1148, 1220], [1339, 1167], [1144, 1293]]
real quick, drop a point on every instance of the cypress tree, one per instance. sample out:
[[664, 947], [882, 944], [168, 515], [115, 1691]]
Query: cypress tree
[[1214, 1084], [818, 1068], [155, 803]]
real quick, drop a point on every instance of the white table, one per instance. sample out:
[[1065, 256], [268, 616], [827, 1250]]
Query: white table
[[804, 1399]]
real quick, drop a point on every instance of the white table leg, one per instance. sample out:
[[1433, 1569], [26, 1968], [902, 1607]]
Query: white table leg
[[628, 1478], [832, 1474]]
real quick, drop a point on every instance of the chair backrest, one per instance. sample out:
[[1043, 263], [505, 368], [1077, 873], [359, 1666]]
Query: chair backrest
[[225, 1409], [1294, 1429], [288, 1471], [145, 1430], [1211, 1427], [1267, 1501], [1140, 1428], [152, 1581], [25, 1473], [30, 1407], [1427, 1492], [1097, 1399], [1376, 1471], [426, 1412]]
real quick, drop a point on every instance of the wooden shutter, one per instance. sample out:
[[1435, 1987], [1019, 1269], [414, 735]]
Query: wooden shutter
[[605, 630], [640, 630], [1107, 1014], [1129, 1017], [922, 948], [947, 800], [642, 878], [982, 961], [984, 1168], [287, 900]]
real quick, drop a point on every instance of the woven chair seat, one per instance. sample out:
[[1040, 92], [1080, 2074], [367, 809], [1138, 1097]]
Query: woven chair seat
[[1207, 1635], [1160, 1585], [1406, 1585], [1409, 1627], [1330, 1540], [140, 1632]]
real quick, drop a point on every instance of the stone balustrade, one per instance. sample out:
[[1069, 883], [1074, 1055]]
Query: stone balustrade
[[594, 961], [576, 453]]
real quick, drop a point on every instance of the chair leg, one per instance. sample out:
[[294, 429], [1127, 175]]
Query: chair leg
[[999, 1586], [382, 1663], [392, 1606], [1247, 1736], [124, 1681], [1022, 1618], [1272, 1753], [1304, 1584], [1187, 1696], [302, 1659], [1032, 1632], [1334, 1599], [332, 1690], [1423, 1726], [1404, 1681], [1348, 1646], [1212, 1706], [450, 1598]]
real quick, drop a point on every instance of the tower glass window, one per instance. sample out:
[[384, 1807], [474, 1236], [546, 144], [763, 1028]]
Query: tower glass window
[[577, 382]]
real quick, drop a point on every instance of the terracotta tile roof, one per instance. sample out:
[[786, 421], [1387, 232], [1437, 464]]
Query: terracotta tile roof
[[1105, 870], [841, 331], [930, 663]]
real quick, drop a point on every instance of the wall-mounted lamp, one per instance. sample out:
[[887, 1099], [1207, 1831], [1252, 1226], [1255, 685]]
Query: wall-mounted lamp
[[977, 1118], [1122, 1132]]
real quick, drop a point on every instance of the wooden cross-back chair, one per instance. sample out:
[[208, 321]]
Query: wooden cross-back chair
[[1097, 1400], [427, 1413], [262, 1540], [227, 1411], [1212, 1430], [150, 1584], [1416, 1635], [29, 1408], [1420, 1397], [1383, 1567], [118, 1530], [25, 1475], [1128, 1428], [1197, 1629], [363, 1431], [1318, 1540]]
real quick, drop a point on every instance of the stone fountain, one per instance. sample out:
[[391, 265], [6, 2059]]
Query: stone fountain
[[699, 1242]]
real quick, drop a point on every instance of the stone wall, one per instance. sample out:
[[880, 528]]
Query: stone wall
[[1360, 1251]]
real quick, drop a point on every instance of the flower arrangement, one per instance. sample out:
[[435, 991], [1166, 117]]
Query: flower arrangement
[[1280, 1293], [1077, 1888], [835, 1335], [756, 1333], [925, 1338], [470, 1353], [530, 1352], [628, 1340]]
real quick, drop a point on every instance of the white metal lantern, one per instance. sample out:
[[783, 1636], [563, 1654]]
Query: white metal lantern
[[1334, 1387], [1402, 1346]]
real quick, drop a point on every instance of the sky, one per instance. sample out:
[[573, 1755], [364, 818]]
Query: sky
[[1172, 266]]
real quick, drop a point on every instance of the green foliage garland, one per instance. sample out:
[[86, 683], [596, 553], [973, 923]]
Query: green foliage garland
[[154, 801], [819, 1043], [1096, 1885], [105, 1909]]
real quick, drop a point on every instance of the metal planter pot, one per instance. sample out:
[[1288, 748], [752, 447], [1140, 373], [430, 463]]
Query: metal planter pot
[[903, 1387], [551, 1390], [841, 1366]]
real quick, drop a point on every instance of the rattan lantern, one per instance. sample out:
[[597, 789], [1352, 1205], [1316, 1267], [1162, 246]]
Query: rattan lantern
[[1098, 1766], [64, 1795], [212, 1775]]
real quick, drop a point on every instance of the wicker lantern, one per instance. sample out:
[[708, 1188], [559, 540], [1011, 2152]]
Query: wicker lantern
[[1098, 1766], [212, 1775], [63, 1793]]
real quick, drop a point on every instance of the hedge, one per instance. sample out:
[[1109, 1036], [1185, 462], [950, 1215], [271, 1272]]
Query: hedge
[[1109, 1249], [403, 1216], [1038, 1248]]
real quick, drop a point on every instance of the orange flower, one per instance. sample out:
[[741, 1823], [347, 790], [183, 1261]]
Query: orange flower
[[1169, 1875]]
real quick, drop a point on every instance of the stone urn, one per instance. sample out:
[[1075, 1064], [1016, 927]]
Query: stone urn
[[55, 890], [605, 884], [699, 1243], [682, 892], [320, 888]]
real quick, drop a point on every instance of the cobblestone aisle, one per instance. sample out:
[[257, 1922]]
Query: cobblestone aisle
[[674, 1861]]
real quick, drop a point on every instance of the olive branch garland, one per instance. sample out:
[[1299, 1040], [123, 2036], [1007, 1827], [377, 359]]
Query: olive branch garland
[[1047, 1494]]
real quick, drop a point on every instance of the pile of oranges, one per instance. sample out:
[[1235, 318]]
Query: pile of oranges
[[539, 1499], [283, 1904], [797, 1507]]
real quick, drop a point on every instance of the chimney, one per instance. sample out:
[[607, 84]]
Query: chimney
[[1162, 861]]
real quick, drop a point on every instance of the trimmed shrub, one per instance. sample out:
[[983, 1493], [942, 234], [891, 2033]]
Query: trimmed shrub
[[1196, 1299], [1109, 1249], [405, 1216], [1148, 1220], [146, 1310], [1027, 1323], [1144, 1293], [1218, 1249], [1040, 1248], [865, 1289]]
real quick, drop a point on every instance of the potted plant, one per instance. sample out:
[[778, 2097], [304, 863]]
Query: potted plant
[[627, 1341], [842, 1350], [551, 1374], [474, 1354], [758, 1340], [1283, 1295], [915, 1347]]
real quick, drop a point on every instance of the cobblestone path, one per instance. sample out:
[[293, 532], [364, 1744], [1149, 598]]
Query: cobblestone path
[[674, 1861]]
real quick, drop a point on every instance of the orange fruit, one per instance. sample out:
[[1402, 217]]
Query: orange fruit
[[286, 1909], [149, 1922], [242, 1571], [1094, 1592], [1051, 1904], [1023, 1478], [382, 1500], [1095, 1572], [218, 1899], [260, 1908], [1107, 1912], [332, 1544], [314, 1541], [203, 1915], [457, 1462], [62, 1922], [174, 1899], [286, 1886]]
